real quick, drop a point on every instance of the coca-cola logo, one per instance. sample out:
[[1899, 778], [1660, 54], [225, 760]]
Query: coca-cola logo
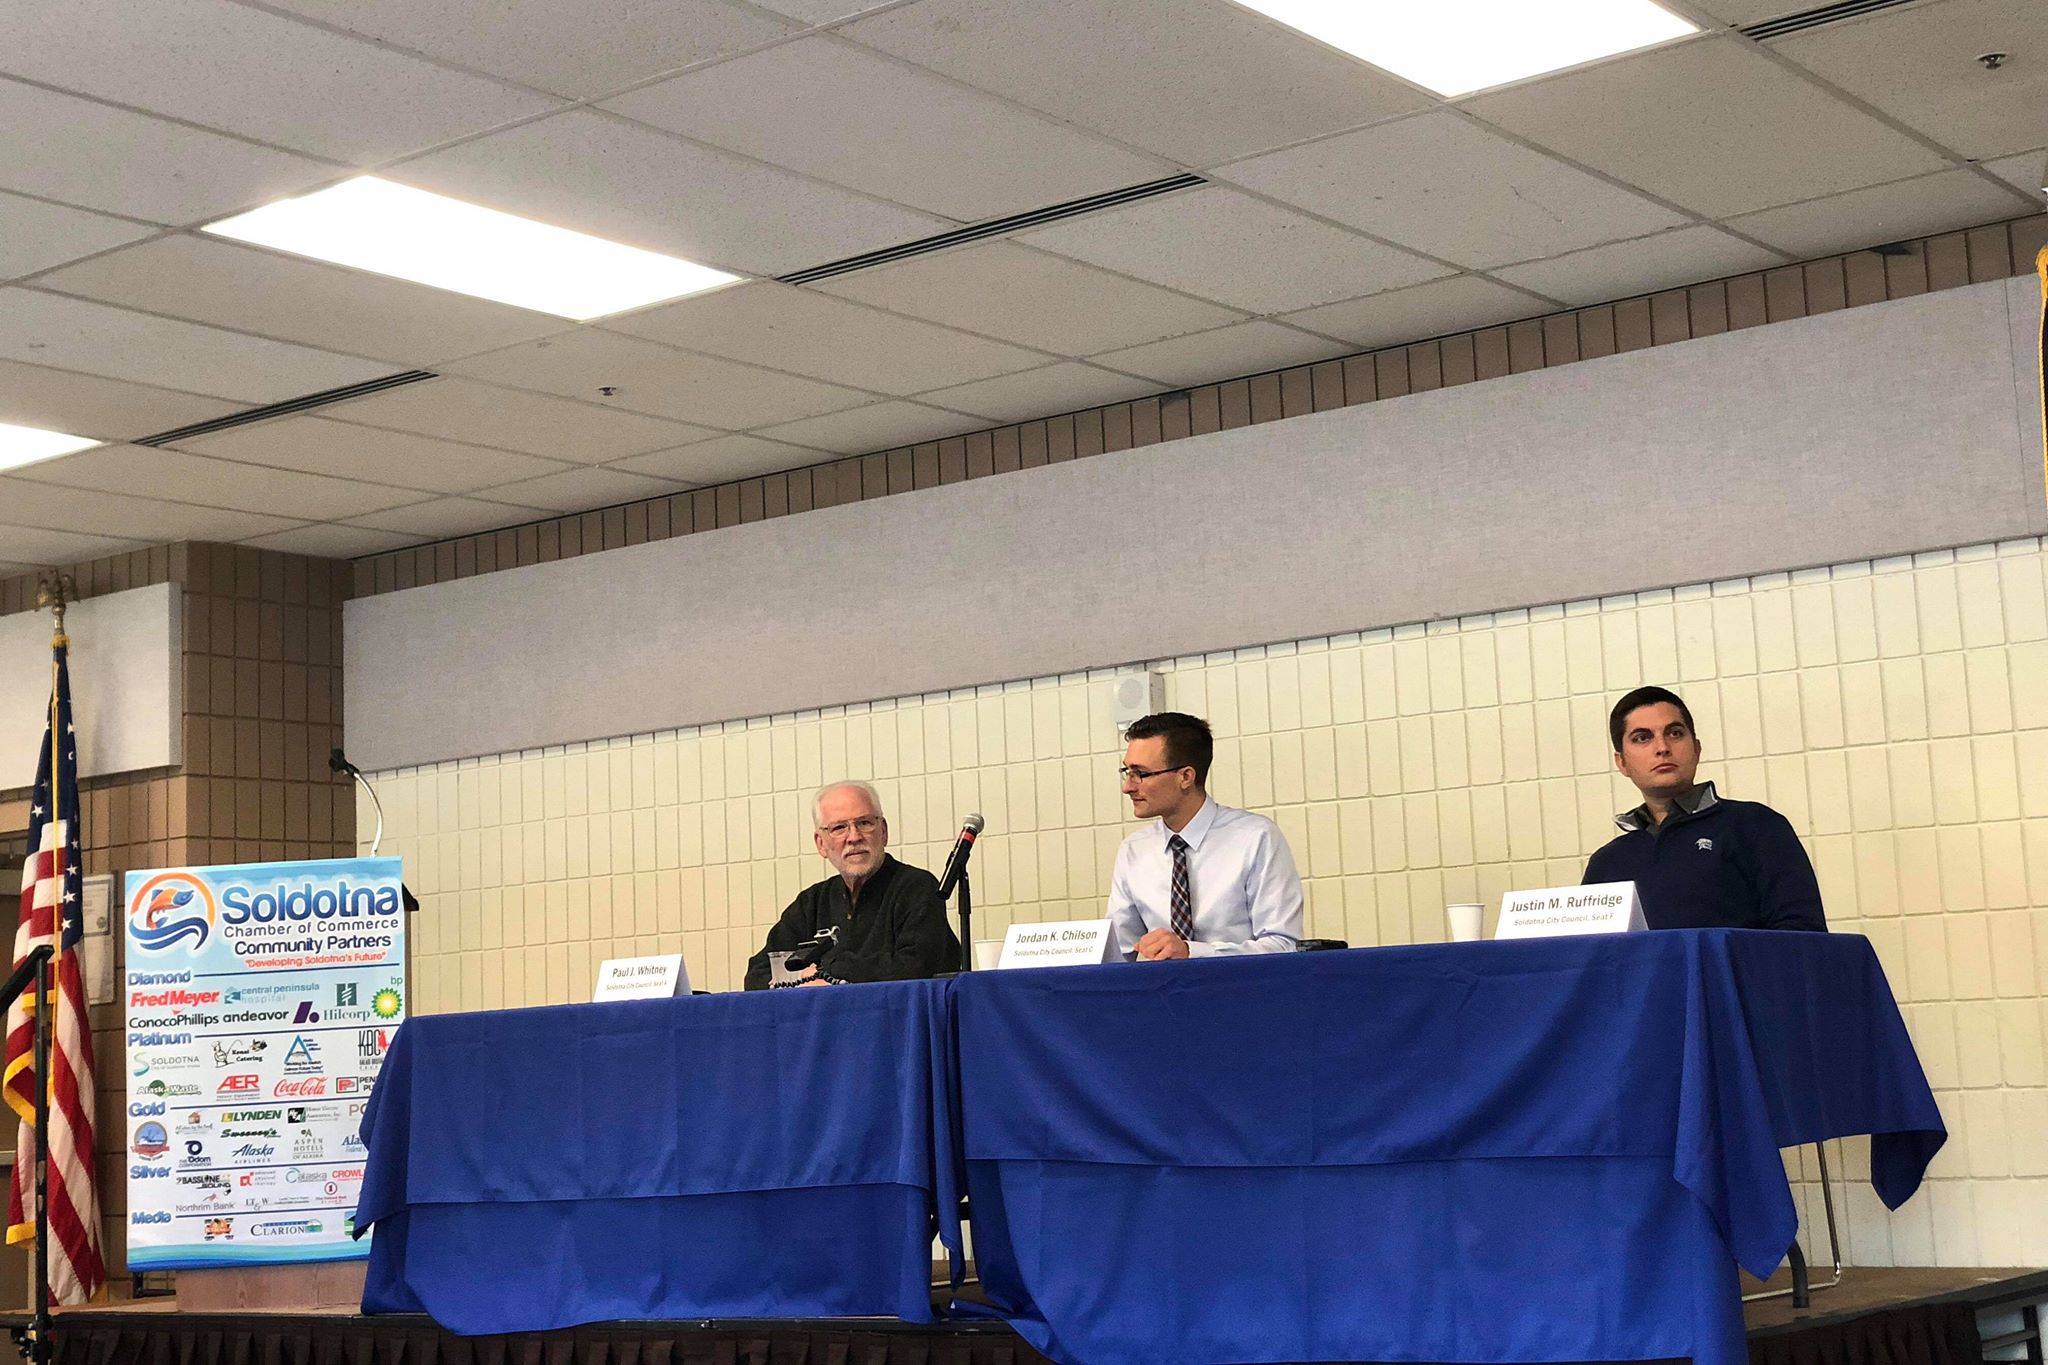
[[300, 1087]]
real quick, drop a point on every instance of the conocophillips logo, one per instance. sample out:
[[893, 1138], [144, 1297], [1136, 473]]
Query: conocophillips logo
[[169, 909]]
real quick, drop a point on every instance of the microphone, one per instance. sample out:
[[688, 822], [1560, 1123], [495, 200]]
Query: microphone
[[807, 953], [963, 849], [337, 762]]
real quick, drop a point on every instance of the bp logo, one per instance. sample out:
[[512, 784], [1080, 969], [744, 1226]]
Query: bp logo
[[169, 909], [387, 1003]]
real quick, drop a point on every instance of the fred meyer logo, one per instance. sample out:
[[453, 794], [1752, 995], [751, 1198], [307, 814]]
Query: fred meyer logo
[[169, 909]]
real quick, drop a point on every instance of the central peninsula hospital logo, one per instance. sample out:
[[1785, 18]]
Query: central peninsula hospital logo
[[169, 909]]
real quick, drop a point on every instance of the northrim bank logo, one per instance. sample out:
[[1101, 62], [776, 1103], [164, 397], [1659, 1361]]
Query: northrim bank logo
[[170, 908]]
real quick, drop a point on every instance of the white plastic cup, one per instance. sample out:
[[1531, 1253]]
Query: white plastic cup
[[1464, 921]]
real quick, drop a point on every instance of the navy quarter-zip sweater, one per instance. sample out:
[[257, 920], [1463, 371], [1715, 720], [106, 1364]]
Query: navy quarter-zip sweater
[[1719, 865]]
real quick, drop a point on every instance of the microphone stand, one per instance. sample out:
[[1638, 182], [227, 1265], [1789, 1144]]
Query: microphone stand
[[966, 923]]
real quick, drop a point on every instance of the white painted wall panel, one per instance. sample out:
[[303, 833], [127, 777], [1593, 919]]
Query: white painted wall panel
[[125, 684], [1851, 435]]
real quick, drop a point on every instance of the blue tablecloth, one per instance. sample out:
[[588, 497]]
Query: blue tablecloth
[[1528, 1151], [766, 1155]]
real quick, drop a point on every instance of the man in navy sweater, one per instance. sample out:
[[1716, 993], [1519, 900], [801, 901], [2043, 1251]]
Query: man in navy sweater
[[1699, 860]]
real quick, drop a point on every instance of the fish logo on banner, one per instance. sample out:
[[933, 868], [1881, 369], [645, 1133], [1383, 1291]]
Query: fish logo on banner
[[170, 909]]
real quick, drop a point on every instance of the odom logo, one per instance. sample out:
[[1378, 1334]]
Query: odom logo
[[169, 909]]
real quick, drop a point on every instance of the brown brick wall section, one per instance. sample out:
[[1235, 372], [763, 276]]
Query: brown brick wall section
[[262, 708], [1994, 252]]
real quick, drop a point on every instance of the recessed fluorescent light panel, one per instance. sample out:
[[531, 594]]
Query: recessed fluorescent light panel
[[26, 445], [1455, 47], [392, 229]]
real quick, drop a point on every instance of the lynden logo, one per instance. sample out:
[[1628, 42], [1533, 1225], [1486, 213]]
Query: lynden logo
[[169, 909], [242, 1083], [250, 1116]]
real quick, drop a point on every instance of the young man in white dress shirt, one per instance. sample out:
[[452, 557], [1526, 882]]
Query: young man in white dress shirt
[[1203, 879]]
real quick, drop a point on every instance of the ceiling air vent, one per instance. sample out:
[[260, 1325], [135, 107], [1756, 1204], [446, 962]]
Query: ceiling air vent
[[996, 227], [1815, 18], [303, 403]]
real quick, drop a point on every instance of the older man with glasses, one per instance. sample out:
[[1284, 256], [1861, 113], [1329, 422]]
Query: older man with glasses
[[1203, 879], [875, 919]]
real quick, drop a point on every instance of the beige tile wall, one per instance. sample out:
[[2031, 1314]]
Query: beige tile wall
[[1897, 712]]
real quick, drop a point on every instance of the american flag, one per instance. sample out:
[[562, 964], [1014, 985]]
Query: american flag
[[52, 882]]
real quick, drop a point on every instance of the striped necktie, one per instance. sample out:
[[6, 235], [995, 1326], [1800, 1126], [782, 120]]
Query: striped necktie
[[1183, 902]]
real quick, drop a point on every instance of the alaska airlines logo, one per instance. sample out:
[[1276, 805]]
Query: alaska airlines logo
[[169, 909]]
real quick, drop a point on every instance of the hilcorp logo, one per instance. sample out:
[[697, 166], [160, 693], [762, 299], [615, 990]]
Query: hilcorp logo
[[170, 908]]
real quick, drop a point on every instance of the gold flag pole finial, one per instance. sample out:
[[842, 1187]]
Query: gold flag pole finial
[[57, 591]]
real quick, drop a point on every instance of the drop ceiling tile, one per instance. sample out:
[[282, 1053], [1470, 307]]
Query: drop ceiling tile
[[1439, 308], [35, 235], [1068, 386], [579, 48], [301, 301], [96, 156], [1918, 63], [722, 459], [879, 426], [579, 490], [1237, 250], [90, 405], [246, 71], [46, 329], [847, 114], [444, 517], [798, 329], [1001, 289], [603, 175], [1883, 213], [822, 11], [1198, 84], [37, 547], [1713, 125], [1624, 269], [1749, 11], [2027, 172], [319, 445], [1226, 353], [512, 419], [331, 541], [1444, 185], [151, 520], [173, 474], [660, 381]]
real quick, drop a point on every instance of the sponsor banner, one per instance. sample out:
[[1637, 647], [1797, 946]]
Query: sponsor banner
[[260, 1000]]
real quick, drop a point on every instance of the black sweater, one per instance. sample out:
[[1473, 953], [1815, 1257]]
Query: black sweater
[[1730, 865], [896, 932]]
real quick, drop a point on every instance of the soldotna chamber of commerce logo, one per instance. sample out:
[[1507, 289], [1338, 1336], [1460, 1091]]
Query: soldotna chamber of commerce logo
[[169, 909]]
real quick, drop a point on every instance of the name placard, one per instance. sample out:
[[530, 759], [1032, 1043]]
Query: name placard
[[1603, 908], [1062, 943], [641, 978]]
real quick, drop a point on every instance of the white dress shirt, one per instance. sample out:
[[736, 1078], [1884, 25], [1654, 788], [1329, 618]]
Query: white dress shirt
[[1241, 877]]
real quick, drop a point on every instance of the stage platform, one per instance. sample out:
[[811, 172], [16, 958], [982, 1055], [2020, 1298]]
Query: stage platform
[[1879, 1316]]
